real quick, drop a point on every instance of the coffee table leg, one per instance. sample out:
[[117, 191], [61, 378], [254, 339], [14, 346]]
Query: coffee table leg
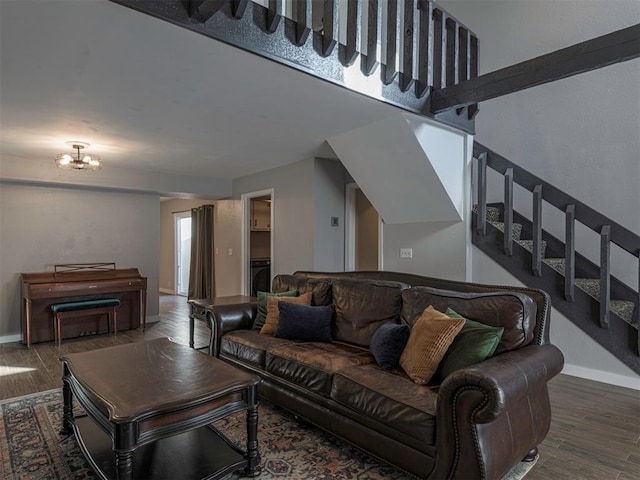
[[253, 454], [124, 465], [192, 312], [67, 409]]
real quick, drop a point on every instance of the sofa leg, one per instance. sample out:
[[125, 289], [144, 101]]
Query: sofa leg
[[531, 456]]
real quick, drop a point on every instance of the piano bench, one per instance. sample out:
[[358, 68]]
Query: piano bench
[[63, 311]]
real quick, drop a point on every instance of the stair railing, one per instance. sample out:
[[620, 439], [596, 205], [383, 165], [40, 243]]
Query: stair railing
[[418, 46], [574, 210]]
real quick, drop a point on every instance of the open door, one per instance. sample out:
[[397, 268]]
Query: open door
[[257, 241]]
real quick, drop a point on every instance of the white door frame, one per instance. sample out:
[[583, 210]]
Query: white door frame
[[245, 235], [350, 230], [176, 219]]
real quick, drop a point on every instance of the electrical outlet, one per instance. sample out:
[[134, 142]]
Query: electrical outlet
[[216, 250], [406, 253], [231, 251]]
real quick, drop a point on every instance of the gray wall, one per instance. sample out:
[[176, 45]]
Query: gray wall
[[306, 194], [43, 226]]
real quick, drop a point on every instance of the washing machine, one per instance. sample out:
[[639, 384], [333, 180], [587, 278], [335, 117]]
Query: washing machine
[[260, 270]]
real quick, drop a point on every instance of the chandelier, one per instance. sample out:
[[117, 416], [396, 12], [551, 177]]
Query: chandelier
[[77, 160]]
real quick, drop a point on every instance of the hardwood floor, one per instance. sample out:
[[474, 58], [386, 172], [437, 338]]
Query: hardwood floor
[[595, 431]]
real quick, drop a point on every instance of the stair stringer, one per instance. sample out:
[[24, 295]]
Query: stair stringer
[[620, 339]]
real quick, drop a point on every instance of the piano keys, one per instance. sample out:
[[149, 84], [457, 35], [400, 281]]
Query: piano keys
[[78, 282]]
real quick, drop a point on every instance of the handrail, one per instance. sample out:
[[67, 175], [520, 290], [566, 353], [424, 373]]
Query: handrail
[[586, 215]]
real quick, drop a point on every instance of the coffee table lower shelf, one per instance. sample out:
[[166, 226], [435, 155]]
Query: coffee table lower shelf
[[197, 454]]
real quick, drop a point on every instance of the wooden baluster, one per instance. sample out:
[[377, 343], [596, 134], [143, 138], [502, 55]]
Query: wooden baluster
[[472, 110], [482, 193], [638, 303], [349, 52], [425, 43], [369, 62], [273, 15], [438, 40], [451, 56], [303, 22], [406, 75], [463, 54], [329, 32], [508, 211], [536, 254], [238, 8], [388, 71], [605, 275], [570, 252]]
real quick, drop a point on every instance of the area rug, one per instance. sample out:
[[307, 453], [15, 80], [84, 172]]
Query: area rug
[[32, 449]]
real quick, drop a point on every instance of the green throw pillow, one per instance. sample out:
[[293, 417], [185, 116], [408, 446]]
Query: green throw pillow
[[261, 316], [475, 343]]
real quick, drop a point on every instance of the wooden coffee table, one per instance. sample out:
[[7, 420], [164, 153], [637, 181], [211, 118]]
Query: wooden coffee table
[[149, 407]]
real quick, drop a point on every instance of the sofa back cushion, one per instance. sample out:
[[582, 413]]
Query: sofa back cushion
[[319, 287], [513, 311], [362, 306]]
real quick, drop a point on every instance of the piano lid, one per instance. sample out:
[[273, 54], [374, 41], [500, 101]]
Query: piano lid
[[81, 272]]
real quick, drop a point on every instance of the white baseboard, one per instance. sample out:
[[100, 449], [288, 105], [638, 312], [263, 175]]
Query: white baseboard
[[603, 377], [10, 338], [168, 291]]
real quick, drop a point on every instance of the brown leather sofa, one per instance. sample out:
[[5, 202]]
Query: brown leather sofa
[[477, 423]]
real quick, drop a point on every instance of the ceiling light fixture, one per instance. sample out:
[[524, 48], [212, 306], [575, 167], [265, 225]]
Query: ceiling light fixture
[[77, 160]]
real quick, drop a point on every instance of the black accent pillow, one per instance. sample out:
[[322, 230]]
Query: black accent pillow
[[387, 344], [302, 322]]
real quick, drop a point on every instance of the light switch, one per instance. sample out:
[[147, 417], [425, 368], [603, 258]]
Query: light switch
[[406, 253]]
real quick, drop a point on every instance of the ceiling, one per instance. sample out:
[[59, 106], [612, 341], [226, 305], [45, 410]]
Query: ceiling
[[152, 96]]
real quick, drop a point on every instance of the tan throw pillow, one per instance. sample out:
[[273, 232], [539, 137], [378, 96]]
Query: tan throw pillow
[[273, 314], [429, 340]]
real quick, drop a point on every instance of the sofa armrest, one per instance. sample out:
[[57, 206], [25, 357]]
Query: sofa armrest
[[226, 318], [503, 379], [492, 414]]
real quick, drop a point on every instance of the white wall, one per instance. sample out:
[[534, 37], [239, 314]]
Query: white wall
[[43, 226], [583, 356]]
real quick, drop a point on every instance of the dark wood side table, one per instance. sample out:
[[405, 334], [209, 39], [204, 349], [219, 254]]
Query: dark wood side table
[[199, 307], [149, 407]]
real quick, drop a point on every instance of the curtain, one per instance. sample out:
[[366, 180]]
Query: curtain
[[202, 279]]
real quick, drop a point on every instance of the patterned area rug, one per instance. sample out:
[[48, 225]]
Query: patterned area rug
[[31, 448]]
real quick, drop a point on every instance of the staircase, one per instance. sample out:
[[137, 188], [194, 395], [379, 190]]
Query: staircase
[[600, 304]]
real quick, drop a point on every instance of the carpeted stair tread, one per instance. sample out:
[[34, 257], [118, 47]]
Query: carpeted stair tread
[[556, 263], [528, 245], [493, 213], [516, 228], [624, 310]]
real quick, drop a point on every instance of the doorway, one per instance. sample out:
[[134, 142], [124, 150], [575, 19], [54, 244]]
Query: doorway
[[183, 251], [363, 232], [257, 241]]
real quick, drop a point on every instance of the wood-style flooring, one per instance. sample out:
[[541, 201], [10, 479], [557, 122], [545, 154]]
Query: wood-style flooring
[[595, 431]]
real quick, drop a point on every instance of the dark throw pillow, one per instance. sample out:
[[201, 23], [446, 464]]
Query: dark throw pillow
[[387, 344], [306, 323], [261, 316], [475, 342]]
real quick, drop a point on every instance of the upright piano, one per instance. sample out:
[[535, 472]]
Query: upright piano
[[78, 282]]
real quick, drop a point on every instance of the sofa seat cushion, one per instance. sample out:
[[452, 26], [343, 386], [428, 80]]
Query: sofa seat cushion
[[312, 365], [390, 397], [249, 346]]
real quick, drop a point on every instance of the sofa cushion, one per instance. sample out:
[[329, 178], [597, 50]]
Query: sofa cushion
[[248, 346], [473, 344], [312, 365], [362, 306], [388, 343], [319, 287], [261, 316], [429, 340], [515, 312], [391, 398], [302, 322], [273, 312]]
